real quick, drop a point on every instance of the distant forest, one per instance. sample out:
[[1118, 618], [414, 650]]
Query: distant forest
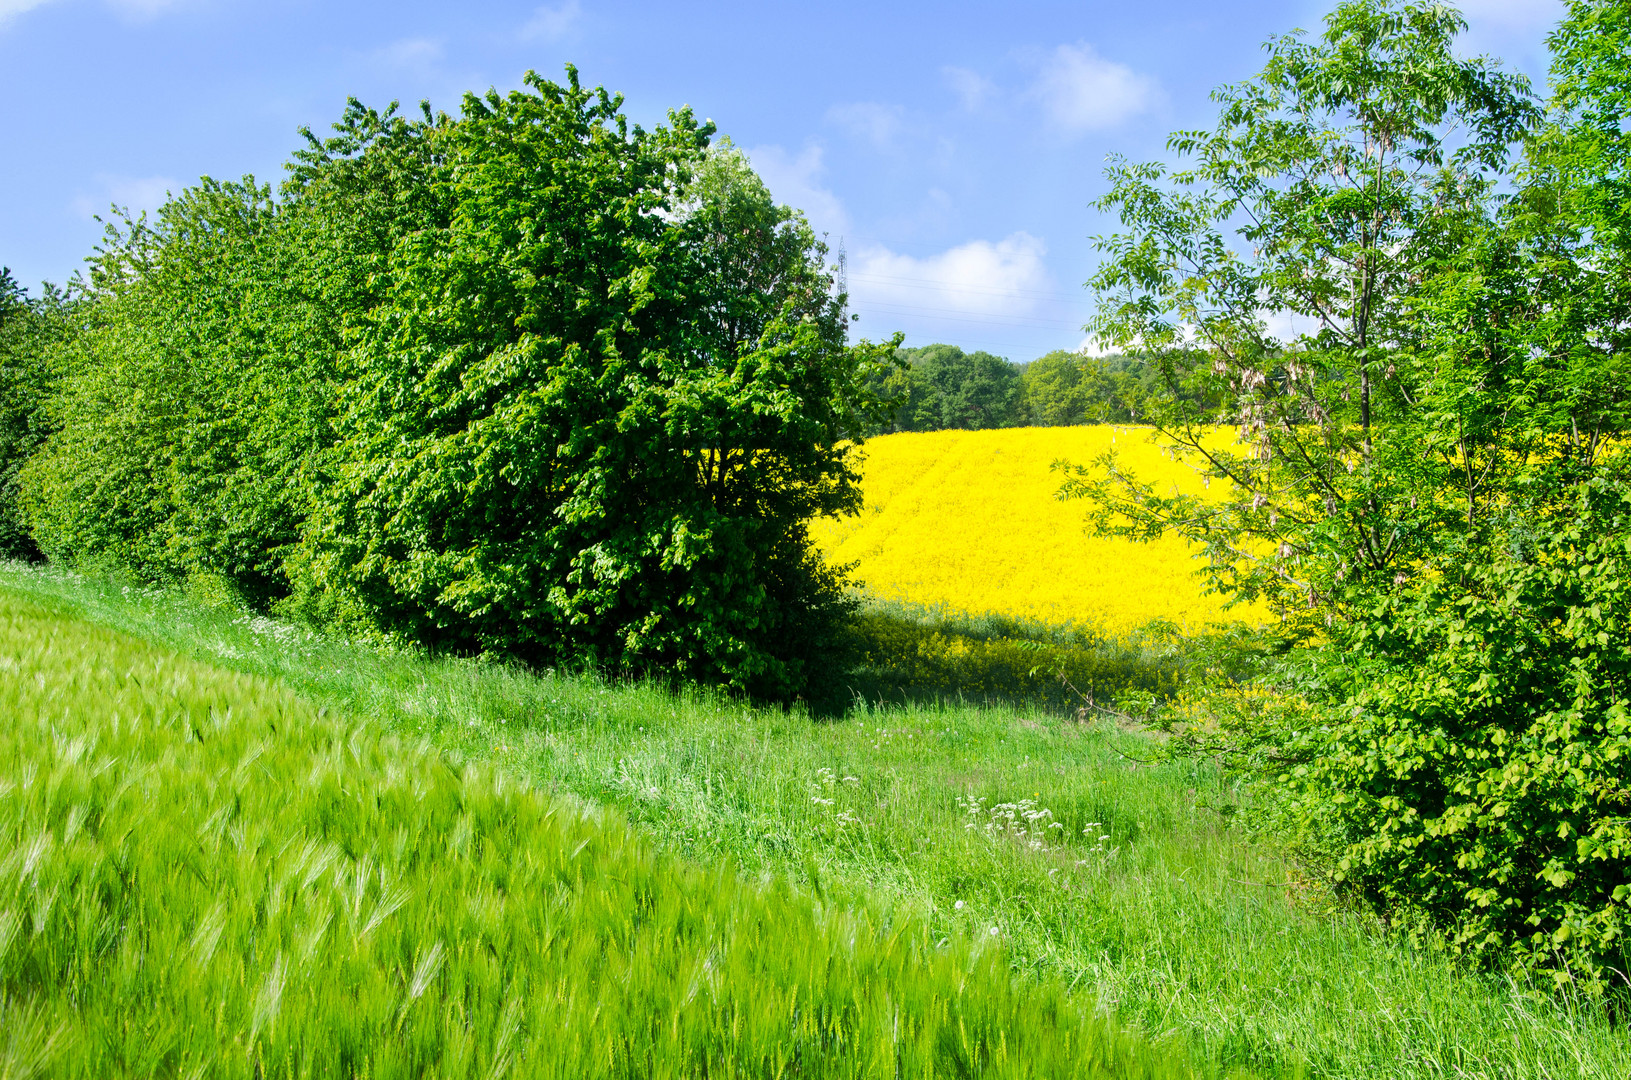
[[943, 387]]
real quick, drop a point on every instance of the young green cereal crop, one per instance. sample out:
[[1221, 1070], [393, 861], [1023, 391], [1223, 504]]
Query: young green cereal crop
[[205, 875]]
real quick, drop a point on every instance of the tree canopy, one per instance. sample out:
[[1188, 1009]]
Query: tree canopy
[[1402, 290], [940, 386], [530, 380]]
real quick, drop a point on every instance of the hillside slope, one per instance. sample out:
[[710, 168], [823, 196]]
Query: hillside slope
[[922, 816], [203, 874]]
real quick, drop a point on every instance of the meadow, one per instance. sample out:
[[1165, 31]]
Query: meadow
[[207, 875], [968, 521], [1077, 860]]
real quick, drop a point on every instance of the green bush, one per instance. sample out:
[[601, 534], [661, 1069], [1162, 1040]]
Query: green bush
[[29, 327], [196, 394], [530, 381], [1462, 754], [593, 411]]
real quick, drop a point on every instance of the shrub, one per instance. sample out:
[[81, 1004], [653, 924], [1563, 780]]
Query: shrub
[[1462, 754]]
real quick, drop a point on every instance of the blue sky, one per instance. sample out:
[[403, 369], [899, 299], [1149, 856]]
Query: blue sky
[[951, 147]]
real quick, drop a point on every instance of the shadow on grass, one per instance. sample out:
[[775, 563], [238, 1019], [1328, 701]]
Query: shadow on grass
[[908, 655]]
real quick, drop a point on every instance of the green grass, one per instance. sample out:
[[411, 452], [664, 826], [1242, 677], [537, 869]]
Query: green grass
[[915, 656], [1170, 922], [205, 875]]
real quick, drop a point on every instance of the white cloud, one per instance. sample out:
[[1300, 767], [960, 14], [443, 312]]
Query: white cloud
[[415, 54], [980, 278], [868, 120], [1080, 90], [972, 88], [794, 179], [9, 9], [552, 22], [135, 193]]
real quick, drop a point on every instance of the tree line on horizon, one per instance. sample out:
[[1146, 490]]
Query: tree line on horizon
[[940, 386]]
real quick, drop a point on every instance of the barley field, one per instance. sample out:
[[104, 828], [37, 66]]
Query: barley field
[[967, 521], [204, 874], [937, 820]]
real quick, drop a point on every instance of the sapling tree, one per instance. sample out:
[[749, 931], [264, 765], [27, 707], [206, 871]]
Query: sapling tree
[[1275, 282]]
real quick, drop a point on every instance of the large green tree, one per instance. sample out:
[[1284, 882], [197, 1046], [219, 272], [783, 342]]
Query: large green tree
[[595, 408], [1062, 388], [940, 386], [1416, 336], [1054, 390], [1277, 283]]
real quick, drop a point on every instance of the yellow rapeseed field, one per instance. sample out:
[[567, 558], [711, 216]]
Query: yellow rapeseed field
[[968, 520]]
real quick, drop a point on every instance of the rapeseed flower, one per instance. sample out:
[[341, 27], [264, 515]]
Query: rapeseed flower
[[969, 521]]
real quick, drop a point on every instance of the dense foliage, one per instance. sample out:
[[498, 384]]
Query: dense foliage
[[1472, 740], [28, 328], [528, 380], [598, 440], [1063, 388], [191, 397], [940, 387], [1416, 333]]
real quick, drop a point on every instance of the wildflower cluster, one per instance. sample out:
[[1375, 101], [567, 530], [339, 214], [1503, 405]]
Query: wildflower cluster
[[825, 791], [1098, 840], [1026, 822]]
